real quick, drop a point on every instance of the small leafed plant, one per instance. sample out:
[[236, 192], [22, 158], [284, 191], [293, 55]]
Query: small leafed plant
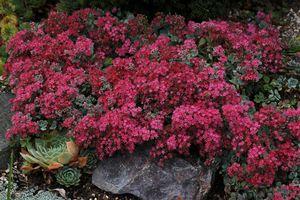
[[49, 153], [68, 176], [113, 84]]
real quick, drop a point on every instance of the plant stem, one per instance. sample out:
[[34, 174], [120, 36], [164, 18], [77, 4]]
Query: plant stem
[[10, 176]]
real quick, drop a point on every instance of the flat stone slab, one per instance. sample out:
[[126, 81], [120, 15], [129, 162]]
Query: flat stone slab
[[5, 123], [137, 174]]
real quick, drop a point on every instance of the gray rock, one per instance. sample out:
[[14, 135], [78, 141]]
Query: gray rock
[[136, 174], [5, 115]]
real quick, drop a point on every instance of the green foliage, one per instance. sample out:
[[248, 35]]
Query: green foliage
[[294, 46], [10, 178], [8, 30], [4, 189], [50, 153], [6, 7], [92, 159], [25, 9], [293, 54], [68, 177], [191, 9], [236, 190], [28, 9], [71, 5], [8, 27], [279, 90], [1, 66]]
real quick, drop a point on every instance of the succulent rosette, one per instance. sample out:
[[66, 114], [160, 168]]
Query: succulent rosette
[[49, 153], [68, 176]]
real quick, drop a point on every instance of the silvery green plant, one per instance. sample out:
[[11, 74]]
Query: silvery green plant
[[35, 194], [52, 152], [26, 194]]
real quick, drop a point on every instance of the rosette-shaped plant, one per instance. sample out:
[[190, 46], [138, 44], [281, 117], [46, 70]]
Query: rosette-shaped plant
[[49, 153], [68, 176], [91, 159]]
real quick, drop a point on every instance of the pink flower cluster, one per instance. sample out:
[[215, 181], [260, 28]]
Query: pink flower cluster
[[266, 146], [22, 125], [287, 192], [118, 83]]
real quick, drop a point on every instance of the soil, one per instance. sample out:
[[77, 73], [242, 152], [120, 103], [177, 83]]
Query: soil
[[85, 191]]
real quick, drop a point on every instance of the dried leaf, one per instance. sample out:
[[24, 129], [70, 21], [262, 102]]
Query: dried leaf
[[48, 179], [61, 191], [23, 151], [26, 168], [82, 161], [55, 165], [65, 158], [72, 149]]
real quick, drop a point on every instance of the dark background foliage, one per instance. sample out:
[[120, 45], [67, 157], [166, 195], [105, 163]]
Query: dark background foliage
[[191, 9]]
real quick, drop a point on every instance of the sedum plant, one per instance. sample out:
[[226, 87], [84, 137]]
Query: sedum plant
[[50, 153], [68, 176], [113, 84], [279, 90]]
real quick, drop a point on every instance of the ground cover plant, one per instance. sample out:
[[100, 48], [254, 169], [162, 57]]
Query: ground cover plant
[[113, 83], [13, 13]]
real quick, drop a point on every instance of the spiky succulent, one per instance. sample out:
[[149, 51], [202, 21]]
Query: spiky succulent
[[50, 153], [68, 176]]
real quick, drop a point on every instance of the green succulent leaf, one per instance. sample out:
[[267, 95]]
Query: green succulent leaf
[[43, 124], [292, 83], [259, 98], [266, 79], [202, 42], [49, 151]]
